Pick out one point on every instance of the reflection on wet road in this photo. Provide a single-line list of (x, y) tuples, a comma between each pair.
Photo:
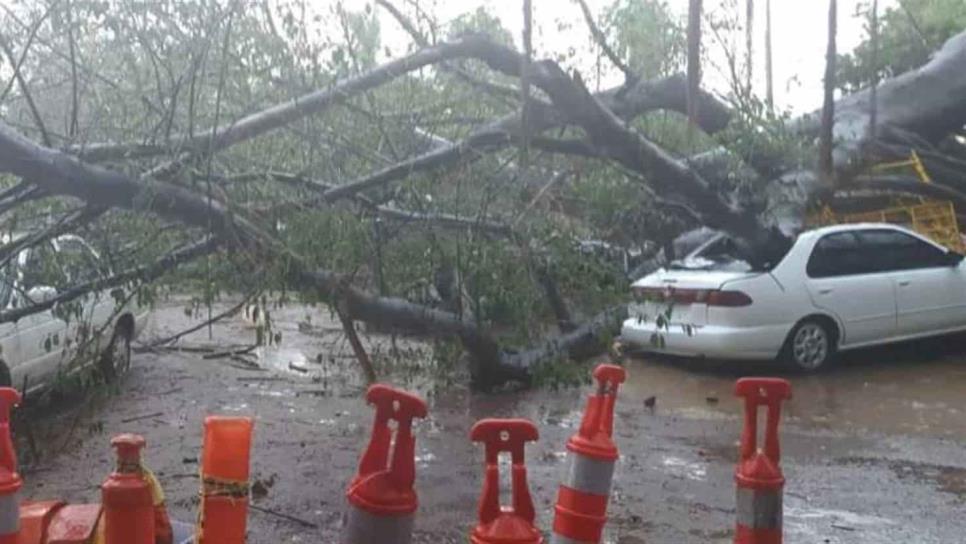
[(869, 391)]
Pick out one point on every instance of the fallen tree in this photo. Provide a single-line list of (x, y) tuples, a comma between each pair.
[(589, 125)]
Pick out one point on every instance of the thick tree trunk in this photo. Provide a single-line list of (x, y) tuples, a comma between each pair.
[(926, 102), (825, 164), (769, 75), (694, 58)]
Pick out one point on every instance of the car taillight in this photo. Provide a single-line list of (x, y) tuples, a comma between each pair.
[(731, 299), (692, 296), (648, 293)]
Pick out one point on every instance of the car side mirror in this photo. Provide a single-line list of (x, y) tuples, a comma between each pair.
[(40, 293), (953, 258)]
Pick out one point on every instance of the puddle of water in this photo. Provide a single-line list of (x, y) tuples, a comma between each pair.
[(844, 517), (425, 458), (684, 469), (896, 396)]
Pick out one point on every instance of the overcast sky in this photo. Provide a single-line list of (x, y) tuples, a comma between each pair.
[(798, 37)]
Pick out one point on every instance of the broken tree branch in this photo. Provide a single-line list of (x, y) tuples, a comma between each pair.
[(360, 351), (143, 273), (277, 116), (601, 40)]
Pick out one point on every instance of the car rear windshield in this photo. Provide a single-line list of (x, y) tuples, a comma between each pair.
[(718, 254)]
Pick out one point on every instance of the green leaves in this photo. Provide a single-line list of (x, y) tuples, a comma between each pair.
[(907, 37), (647, 35)]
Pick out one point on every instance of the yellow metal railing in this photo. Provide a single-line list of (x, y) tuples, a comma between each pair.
[(934, 219)]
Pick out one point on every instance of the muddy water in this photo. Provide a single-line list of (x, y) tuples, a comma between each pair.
[(885, 390), (873, 451)]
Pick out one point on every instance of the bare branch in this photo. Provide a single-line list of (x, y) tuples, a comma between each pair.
[(506, 93), (387, 212), (826, 165), (601, 40), (227, 313), (694, 59), (31, 34), (67, 223), (25, 90), (277, 116), (360, 351)]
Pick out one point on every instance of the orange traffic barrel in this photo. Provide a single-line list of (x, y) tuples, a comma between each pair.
[(382, 498), (581, 510), (128, 503), (512, 524), (227, 447), (758, 477), (10, 481)]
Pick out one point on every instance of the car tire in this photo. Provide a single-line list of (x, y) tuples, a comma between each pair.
[(115, 360), (810, 347)]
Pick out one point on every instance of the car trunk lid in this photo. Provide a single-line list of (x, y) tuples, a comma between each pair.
[(680, 298)]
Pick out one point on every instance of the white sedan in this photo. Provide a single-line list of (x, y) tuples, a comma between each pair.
[(38, 350), (837, 288)]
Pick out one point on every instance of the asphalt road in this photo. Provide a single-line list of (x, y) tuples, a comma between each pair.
[(874, 451)]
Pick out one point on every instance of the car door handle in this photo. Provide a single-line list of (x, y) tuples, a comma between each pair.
[(904, 283), (825, 291)]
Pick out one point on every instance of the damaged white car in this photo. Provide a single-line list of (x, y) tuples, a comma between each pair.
[(95, 329), (837, 288)]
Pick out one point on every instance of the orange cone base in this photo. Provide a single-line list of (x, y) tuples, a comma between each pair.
[(580, 516), (506, 529), (225, 520), (748, 535)]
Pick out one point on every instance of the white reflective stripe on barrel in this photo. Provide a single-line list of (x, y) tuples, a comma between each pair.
[(759, 509), (558, 539), (589, 475), (365, 528), (9, 514)]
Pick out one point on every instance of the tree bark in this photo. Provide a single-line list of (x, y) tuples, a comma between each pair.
[(769, 75), (694, 58), (749, 43), (826, 165)]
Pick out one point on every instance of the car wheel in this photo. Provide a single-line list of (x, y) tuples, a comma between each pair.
[(810, 346), (116, 358)]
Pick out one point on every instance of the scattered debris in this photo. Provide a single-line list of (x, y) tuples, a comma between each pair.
[(261, 486), (139, 418), (276, 513)]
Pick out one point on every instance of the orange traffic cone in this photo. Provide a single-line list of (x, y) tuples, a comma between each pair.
[(581, 510), (127, 500), (505, 524), (759, 477), (10, 481), (382, 500), (224, 487)]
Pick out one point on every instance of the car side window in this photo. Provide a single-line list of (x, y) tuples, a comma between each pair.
[(41, 268), (837, 254), (893, 250), (6, 284), (77, 260)]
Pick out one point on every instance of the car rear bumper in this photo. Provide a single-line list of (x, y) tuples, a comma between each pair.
[(718, 342)]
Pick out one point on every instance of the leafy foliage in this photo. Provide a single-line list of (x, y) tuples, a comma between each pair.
[(908, 34), (646, 34)]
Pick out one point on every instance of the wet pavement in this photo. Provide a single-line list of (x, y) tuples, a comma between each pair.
[(874, 450)]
